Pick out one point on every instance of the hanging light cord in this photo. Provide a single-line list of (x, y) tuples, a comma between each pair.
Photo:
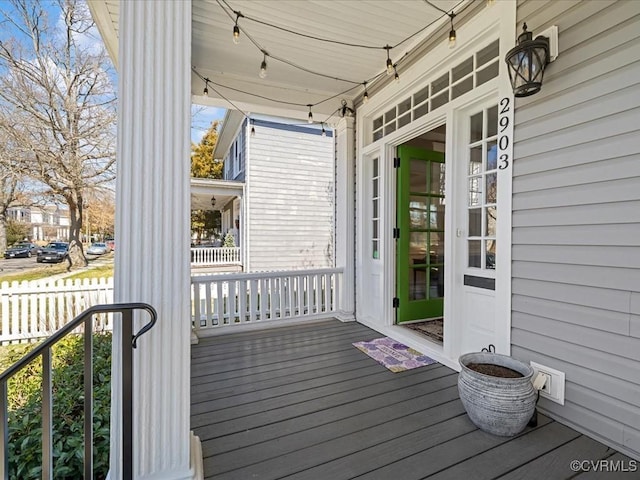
[(234, 15)]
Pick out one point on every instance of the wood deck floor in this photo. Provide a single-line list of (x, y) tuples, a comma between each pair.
[(301, 402)]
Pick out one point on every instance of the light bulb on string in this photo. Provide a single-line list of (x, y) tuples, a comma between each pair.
[(396, 77), (365, 95), (263, 66), (389, 62), (205, 92), (236, 29), (253, 130), (452, 32), (310, 118), (324, 132)]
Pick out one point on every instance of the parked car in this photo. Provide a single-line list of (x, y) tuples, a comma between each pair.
[(98, 249), (54, 252), (21, 249)]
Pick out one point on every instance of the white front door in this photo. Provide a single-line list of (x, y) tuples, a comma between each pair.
[(475, 229)]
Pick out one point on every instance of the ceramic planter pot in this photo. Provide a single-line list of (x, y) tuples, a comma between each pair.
[(497, 405)]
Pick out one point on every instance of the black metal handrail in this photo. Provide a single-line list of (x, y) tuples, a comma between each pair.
[(44, 350)]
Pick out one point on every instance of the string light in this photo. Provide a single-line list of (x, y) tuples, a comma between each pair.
[(263, 65), (236, 29), (253, 129), (324, 132), (391, 68), (389, 62), (452, 32)]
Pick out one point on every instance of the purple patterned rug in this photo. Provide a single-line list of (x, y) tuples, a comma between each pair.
[(393, 355)]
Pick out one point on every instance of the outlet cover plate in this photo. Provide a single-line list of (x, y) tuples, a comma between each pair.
[(555, 391)]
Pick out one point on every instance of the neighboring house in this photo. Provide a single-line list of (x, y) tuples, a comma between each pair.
[(524, 212), (45, 223), (285, 220)]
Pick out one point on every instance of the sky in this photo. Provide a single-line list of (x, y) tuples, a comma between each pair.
[(201, 118)]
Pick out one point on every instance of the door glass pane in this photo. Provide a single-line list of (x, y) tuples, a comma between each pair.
[(376, 254), (375, 229), (491, 222), (418, 212), (375, 208), (475, 160), (418, 283), (474, 253), (436, 214), (490, 256), (418, 179), (437, 178), (492, 121), (492, 187), (436, 282), (476, 127), (436, 248), (475, 191), (418, 248), (492, 155), (475, 222)]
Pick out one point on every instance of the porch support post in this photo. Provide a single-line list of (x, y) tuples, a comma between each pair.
[(152, 233), (345, 216)]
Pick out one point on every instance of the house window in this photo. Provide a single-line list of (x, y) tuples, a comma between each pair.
[(462, 78), (375, 212), (482, 189)]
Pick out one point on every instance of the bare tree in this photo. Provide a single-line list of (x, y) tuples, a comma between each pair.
[(10, 186), (55, 87)]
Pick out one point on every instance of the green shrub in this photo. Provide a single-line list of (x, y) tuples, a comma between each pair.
[(25, 403)]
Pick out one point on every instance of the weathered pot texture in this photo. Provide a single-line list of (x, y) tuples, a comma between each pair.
[(501, 406)]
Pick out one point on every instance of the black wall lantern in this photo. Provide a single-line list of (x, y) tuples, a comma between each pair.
[(527, 61)]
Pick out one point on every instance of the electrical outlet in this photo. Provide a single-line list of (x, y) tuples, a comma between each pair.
[(553, 387)]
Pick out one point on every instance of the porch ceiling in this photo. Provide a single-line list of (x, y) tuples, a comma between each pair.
[(203, 189), (366, 22)]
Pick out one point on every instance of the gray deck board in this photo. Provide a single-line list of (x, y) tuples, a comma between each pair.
[(300, 402)]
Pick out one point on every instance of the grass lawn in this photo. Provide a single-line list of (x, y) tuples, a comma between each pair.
[(105, 271)]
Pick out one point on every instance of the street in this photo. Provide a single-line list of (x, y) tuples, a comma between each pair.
[(8, 265)]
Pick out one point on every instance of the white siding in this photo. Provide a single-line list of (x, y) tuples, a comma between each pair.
[(290, 179), (576, 216)]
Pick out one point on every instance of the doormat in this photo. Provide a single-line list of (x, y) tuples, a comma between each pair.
[(430, 328), (393, 355)]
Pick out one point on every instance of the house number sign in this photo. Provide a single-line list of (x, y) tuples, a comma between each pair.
[(505, 133)]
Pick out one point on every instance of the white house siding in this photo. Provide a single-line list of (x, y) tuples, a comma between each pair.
[(290, 219), (576, 216)]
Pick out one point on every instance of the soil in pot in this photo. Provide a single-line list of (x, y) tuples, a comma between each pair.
[(494, 370)]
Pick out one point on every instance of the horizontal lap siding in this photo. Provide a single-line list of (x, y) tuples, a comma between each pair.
[(291, 216), (576, 216)]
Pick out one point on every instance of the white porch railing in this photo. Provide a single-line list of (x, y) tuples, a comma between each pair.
[(229, 300), (31, 310), (215, 256)]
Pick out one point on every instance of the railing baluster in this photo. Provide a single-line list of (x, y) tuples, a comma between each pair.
[(47, 417), (127, 395), (4, 437), (88, 398)]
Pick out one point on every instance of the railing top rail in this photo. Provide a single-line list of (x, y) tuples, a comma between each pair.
[(53, 339), (255, 275)]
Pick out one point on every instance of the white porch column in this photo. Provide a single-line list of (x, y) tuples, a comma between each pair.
[(345, 215), (152, 232)]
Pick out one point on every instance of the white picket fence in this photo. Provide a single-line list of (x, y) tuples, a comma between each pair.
[(215, 256), (32, 310), (230, 300)]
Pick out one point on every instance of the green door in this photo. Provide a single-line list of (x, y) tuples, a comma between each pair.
[(420, 246)]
